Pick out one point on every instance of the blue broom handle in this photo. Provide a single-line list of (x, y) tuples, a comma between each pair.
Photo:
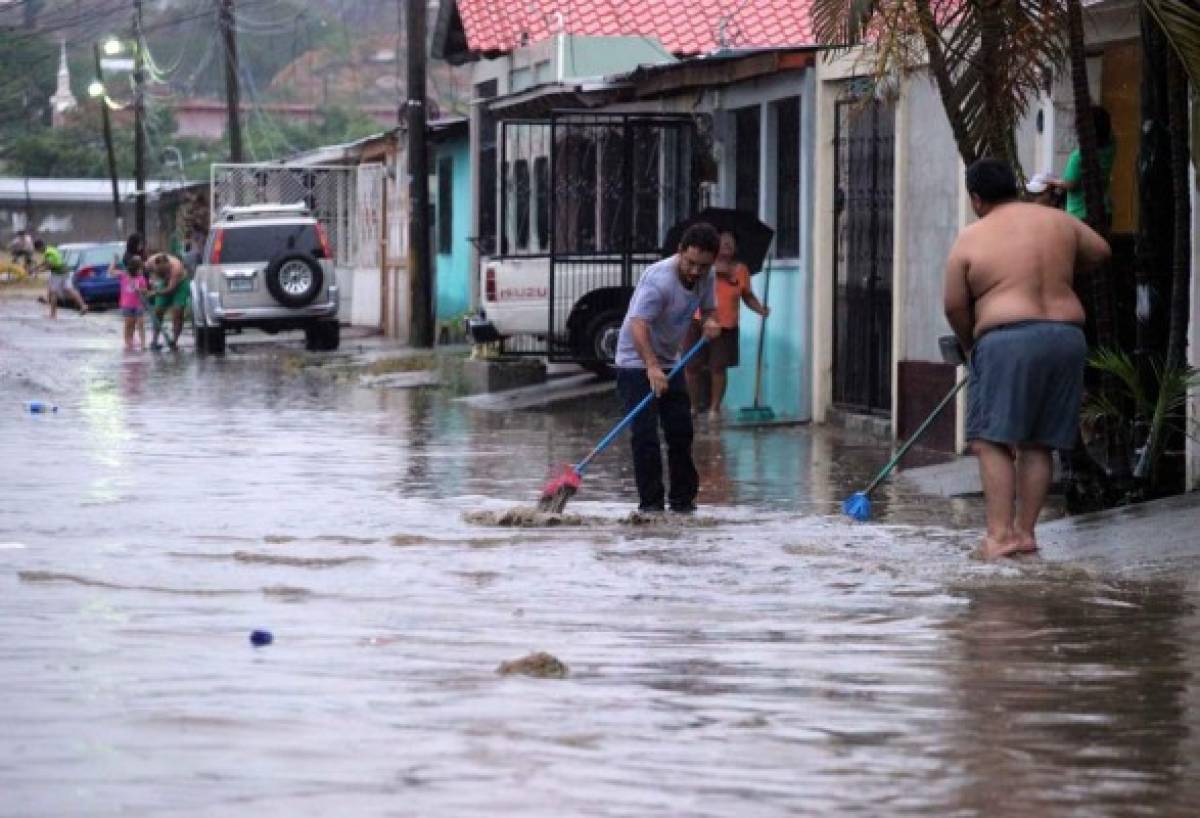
[(916, 435), (628, 419)]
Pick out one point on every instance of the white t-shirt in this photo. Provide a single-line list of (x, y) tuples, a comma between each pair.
[(667, 307)]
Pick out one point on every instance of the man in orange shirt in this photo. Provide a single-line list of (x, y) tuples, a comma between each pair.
[(732, 290)]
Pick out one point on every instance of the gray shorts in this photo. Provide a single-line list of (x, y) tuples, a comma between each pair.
[(1027, 384)]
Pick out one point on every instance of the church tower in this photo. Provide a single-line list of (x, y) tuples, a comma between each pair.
[(63, 100)]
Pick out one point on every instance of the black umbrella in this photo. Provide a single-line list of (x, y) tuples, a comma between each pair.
[(753, 237)]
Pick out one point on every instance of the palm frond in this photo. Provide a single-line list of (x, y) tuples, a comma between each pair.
[(988, 57), (1097, 409), (841, 23), (1180, 20), (1117, 364)]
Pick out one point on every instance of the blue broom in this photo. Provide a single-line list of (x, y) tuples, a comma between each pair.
[(858, 505)]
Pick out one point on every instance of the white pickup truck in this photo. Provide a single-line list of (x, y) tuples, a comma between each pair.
[(590, 300)]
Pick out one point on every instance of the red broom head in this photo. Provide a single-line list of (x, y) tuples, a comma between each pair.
[(567, 479)]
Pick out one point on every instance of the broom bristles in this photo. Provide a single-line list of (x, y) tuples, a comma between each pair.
[(559, 490)]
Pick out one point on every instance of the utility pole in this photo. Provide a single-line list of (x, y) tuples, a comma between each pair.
[(139, 124), (232, 87), (419, 268), (108, 144)]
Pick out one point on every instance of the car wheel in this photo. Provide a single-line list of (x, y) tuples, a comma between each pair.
[(294, 279), (599, 350)]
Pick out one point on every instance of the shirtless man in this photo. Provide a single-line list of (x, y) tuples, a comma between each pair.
[(173, 297), (1009, 299)]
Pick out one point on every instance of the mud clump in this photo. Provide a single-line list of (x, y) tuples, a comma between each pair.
[(530, 517), (540, 665), (287, 593), (527, 517)]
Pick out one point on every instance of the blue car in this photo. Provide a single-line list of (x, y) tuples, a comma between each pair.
[(88, 264)]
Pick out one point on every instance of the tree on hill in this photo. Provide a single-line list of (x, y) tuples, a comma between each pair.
[(28, 76), (270, 136)]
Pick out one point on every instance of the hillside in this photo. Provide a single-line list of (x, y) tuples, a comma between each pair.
[(290, 50)]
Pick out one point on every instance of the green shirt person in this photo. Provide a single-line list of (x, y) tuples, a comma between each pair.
[(60, 286), (1073, 181), (1072, 177), (53, 261)]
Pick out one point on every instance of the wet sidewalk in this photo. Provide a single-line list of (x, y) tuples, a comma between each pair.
[(1158, 536)]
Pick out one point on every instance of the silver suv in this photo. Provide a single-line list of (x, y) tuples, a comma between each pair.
[(268, 267)]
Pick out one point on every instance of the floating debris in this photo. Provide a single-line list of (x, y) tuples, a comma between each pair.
[(540, 665)]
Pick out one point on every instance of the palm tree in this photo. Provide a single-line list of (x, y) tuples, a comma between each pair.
[(988, 58)]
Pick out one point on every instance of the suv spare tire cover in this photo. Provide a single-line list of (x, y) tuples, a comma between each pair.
[(294, 279)]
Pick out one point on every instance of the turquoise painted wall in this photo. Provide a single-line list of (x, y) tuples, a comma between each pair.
[(787, 354), (452, 269), (786, 351)]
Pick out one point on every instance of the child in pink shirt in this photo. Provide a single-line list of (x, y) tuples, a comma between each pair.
[(133, 289)]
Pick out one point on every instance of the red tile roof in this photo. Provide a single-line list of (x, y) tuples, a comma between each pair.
[(684, 27)]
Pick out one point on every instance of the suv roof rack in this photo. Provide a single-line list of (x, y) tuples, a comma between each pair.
[(258, 211)]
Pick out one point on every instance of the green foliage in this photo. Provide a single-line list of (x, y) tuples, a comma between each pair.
[(28, 76), (77, 149), (1181, 22), (270, 136), (1141, 411), (47, 152)]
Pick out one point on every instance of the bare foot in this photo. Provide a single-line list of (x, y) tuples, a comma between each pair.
[(993, 548), (1026, 542), (714, 417)]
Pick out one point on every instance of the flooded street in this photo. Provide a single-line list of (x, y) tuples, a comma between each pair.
[(766, 658)]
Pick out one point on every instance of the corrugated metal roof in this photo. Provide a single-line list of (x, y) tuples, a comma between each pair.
[(18, 188)]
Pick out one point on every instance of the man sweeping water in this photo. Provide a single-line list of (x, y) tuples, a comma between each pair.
[(1009, 299), (667, 296), (649, 380)]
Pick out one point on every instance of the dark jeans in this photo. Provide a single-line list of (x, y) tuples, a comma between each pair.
[(673, 410)]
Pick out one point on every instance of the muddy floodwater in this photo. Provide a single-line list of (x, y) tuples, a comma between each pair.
[(766, 658)]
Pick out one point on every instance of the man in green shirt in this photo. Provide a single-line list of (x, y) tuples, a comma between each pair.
[(60, 285)]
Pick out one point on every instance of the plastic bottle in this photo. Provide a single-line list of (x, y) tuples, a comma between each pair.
[(38, 407)]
